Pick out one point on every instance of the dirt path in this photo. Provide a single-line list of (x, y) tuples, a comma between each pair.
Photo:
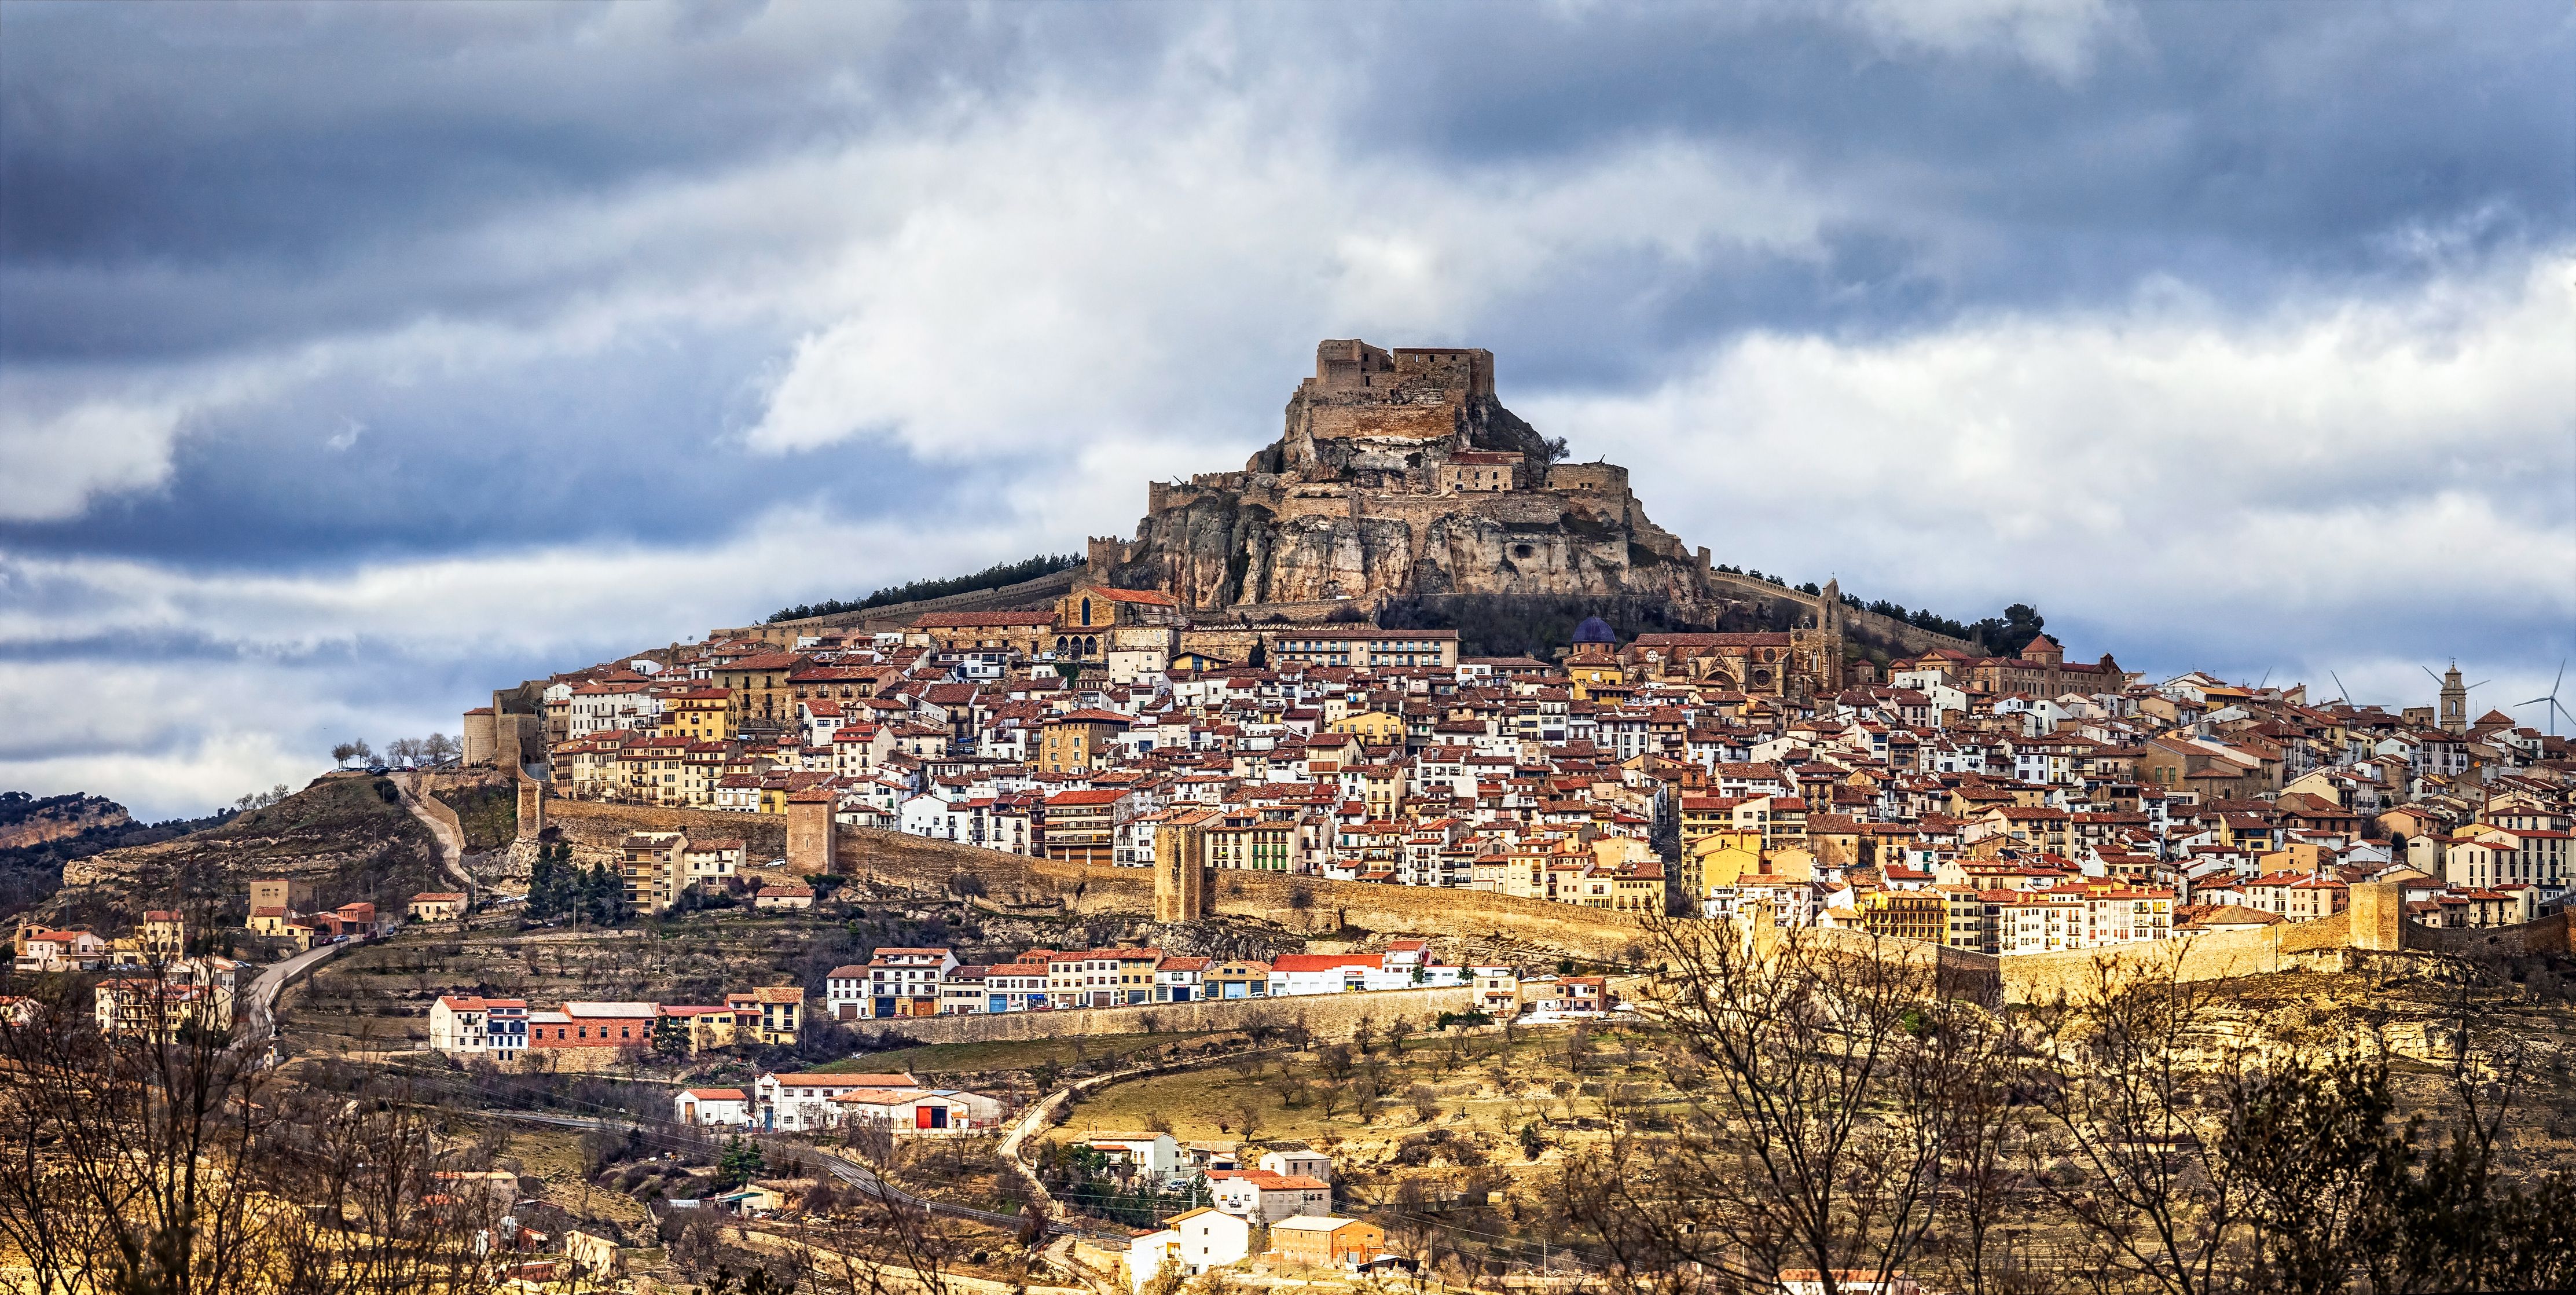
[(451, 839)]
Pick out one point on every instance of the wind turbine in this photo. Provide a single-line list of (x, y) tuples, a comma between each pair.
[(2428, 671), (2551, 697)]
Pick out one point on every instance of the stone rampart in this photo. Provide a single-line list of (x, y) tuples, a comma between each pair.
[(1912, 638), (1327, 1016), (601, 825), (1604, 478), (2216, 955), (425, 788), (2547, 935), (1298, 903)]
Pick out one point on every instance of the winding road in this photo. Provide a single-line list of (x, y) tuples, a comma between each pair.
[(451, 842), (258, 1002)]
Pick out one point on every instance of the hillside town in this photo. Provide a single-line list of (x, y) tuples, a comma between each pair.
[(2008, 804)]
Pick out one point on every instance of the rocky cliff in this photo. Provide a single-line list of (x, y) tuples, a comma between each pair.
[(27, 820), (1397, 474)]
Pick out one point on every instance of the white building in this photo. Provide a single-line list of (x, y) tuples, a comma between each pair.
[(1156, 1155), (1196, 1241), (802, 1101), (1180, 980), (1266, 1196), (1312, 1164), (914, 1110), (464, 1028), (709, 1108), (1322, 973)]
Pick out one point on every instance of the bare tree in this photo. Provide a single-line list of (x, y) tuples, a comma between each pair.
[(2125, 1070), (1790, 1151), (386, 1202), (122, 1150)]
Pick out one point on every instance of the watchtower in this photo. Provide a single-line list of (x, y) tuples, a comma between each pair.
[(2377, 913), (812, 832), (532, 807), (1180, 870)]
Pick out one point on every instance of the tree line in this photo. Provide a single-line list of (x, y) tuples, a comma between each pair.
[(993, 577), (558, 887)]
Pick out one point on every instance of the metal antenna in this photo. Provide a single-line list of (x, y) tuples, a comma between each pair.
[(2555, 710)]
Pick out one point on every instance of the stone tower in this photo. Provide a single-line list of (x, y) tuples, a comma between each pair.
[(532, 808), (1180, 869), (812, 832), (2377, 912), (2455, 701)]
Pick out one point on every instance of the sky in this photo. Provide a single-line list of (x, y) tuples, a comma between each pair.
[(358, 359)]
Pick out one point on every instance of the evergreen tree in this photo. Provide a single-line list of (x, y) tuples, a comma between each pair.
[(550, 883), (740, 1162), (670, 1038)]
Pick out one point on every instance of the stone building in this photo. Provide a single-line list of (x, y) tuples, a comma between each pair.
[(1400, 473)]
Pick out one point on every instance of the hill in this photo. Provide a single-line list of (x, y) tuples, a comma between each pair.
[(347, 833), (40, 835)]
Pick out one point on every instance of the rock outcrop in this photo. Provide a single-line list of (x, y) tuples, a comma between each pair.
[(28, 821), (1399, 474)]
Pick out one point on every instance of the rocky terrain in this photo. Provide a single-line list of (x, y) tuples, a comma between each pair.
[(41, 835), (347, 833), (26, 820), (1401, 474)]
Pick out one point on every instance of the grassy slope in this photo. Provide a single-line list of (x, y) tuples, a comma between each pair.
[(490, 815)]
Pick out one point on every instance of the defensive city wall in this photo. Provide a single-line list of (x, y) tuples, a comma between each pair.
[(1326, 1016), (2374, 924)]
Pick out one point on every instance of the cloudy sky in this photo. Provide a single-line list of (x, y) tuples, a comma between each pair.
[(355, 359)]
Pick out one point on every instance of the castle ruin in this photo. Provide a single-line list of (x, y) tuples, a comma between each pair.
[(1399, 473)]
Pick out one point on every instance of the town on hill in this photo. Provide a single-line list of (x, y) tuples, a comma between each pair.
[(1241, 704), (1200, 915)]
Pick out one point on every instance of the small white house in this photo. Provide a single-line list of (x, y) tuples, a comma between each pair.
[(1267, 1197), (1197, 1240), (1312, 1164), (1154, 1154), (708, 1108), (939, 1110)]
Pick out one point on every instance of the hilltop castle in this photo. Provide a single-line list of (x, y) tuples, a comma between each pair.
[(1398, 473)]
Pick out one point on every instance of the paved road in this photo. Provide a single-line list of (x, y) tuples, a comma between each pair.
[(258, 1003), (451, 843)]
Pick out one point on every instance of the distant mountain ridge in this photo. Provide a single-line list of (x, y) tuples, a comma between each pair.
[(27, 820), (41, 834)]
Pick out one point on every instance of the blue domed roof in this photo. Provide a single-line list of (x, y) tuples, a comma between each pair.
[(1595, 630)]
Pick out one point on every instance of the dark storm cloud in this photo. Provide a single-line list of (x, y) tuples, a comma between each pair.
[(653, 317)]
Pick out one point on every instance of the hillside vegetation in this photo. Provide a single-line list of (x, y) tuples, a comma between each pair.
[(41, 834), (347, 834)]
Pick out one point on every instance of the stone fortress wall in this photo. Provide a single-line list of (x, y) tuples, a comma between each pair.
[(1326, 1016), (2374, 926)]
